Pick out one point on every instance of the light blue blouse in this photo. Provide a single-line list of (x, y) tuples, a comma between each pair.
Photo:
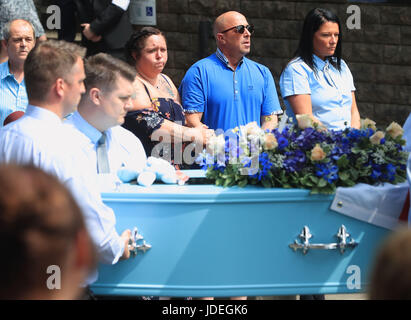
[(330, 90)]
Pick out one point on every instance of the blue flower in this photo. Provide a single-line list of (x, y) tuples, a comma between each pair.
[(265, 166), (327, 171)]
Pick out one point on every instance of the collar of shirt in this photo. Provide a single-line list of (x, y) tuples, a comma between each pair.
[(322, 64), (223, 58), (92, 133), (43, 114)]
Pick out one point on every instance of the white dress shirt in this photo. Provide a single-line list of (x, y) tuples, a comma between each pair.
[(40, 138), (124, 149)]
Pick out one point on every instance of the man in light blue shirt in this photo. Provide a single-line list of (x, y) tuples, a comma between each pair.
[(19, 39), (54, 77), (226, 90), (108, 97)]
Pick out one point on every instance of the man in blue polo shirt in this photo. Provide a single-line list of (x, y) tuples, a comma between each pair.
[(226, 90)]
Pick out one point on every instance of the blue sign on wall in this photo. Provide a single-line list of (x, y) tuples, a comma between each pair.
[(149, 11)]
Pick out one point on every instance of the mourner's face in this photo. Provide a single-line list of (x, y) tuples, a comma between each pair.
[(153, 56), (117, 102), (74, 86), (234, 42), (325, 39), (21, 40)]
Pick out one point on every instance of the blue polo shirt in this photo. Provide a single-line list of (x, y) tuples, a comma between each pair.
[(330, 90), (229, 98), (13, 95)]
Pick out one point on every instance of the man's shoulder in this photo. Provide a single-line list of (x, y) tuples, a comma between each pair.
[(123, 135), (35, 134), (255, 64), (70, 129), (205, 62), (4, 70)]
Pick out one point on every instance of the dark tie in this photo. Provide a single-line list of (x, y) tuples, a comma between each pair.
[(102, 158)]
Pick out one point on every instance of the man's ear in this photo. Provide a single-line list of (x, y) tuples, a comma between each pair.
[(60, 86), (220, 38), (85, 257), (95, 95), (4, 43)]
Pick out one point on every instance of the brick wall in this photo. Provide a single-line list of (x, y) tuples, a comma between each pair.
[(379, 54)]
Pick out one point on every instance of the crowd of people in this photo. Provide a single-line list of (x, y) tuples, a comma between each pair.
[(67, 119)]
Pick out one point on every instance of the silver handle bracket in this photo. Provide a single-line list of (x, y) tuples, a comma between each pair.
[(305, 244), (133, 244)]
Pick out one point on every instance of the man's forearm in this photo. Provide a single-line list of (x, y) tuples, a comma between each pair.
[(194, 119), (269, 122)]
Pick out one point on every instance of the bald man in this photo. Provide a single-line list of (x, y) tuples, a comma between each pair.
[(226, 90), (19, 39)]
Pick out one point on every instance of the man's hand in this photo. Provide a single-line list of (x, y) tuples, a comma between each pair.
[(126, 235), (89, 34)]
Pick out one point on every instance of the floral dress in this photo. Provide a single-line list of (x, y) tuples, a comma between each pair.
[(145, 121)]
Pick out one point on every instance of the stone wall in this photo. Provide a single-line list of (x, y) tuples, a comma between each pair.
[(379, 54)]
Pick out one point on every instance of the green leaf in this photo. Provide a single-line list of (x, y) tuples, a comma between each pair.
[(321, 183), (343, 162), (242, 183), (266, 183), (344, 175)]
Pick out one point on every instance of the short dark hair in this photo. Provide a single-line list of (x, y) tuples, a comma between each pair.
[(137, 42), (39, 222), (102, 71), (46, 62), (312, 22)]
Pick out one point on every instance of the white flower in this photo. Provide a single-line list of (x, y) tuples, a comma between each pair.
[(253, 129), (376, 137), (368, 124), (395, 130), (216, 144), (317, 153), (304, 121), (270, 142)]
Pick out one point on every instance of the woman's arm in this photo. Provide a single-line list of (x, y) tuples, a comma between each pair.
[(169, 130), (301, 104), (173, 132), (355, 114)]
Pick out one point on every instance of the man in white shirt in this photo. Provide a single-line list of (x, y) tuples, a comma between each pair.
[(108, 97), (54, 75)]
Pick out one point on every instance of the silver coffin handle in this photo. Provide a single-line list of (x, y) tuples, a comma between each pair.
[(133, 245), (305, 245)]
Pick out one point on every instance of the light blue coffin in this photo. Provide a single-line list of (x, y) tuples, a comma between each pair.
[(214, 241)]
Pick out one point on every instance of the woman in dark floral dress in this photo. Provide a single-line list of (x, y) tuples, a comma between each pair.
[(157, 118)]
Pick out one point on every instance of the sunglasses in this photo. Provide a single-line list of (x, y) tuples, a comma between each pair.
[(240, 29)]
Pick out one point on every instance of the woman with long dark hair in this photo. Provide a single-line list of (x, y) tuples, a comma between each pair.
[(317, 81)]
